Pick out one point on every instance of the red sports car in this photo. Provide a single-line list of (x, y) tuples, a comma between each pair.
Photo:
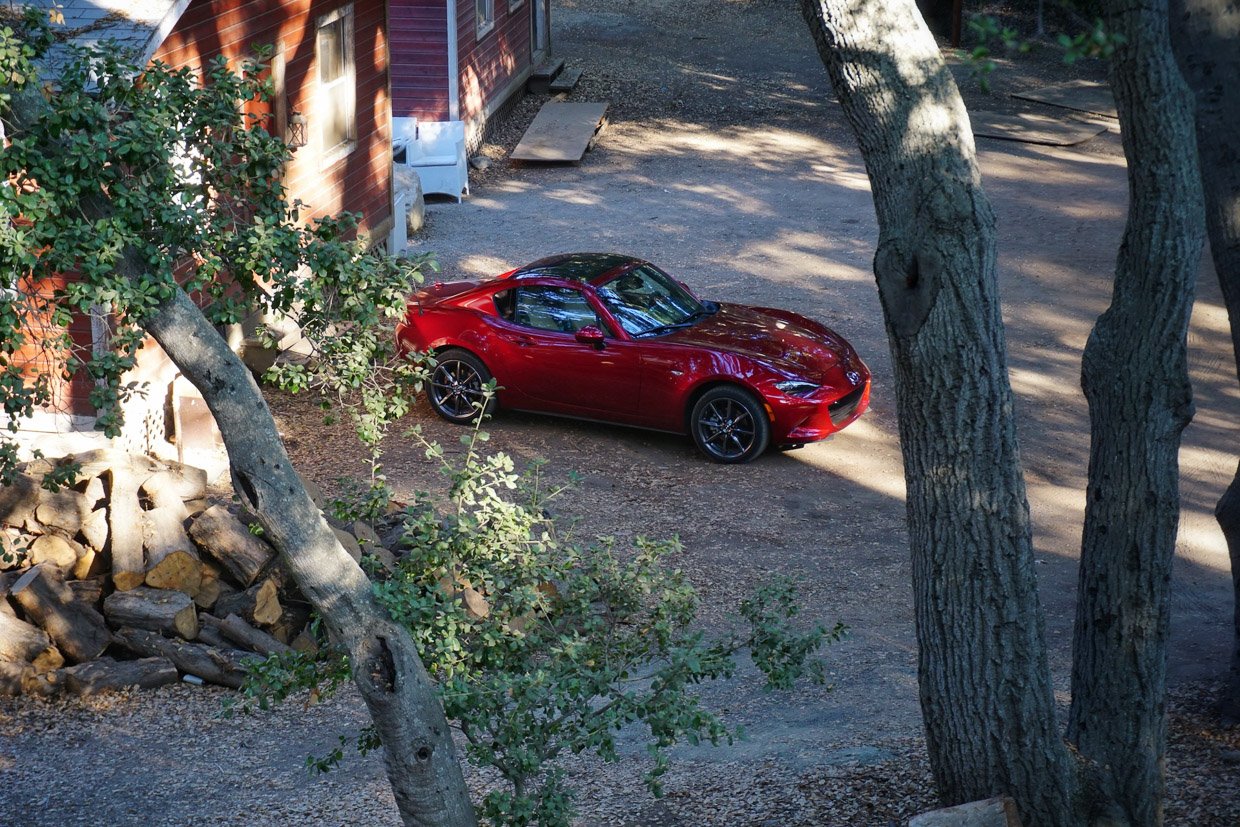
[(613, 338)]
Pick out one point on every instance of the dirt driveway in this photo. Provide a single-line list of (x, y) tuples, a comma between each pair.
[(726, 162)]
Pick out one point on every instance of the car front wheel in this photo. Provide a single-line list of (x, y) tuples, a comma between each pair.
[(729, 425), (457, 386)]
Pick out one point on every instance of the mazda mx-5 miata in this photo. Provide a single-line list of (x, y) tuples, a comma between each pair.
[(615, 339)]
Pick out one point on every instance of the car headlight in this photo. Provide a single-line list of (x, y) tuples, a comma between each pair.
[(796, 387)]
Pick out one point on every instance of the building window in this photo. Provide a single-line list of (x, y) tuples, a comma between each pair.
[(337, 110), (514, 4), (486, 16)]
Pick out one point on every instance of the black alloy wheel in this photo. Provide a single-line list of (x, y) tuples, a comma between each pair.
[(456, 391), (729, 425)]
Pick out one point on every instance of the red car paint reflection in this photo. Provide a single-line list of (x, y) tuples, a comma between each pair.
[(613, 338)]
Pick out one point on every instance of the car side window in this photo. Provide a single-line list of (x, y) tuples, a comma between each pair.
[(505, 302), (559, 309)]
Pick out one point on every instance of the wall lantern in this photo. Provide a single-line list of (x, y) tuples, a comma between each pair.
[(297, 130)]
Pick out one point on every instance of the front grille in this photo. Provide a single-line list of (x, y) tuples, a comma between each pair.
[(843, 407)]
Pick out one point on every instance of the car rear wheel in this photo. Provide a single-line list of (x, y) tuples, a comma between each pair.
[(729, 425), (457, 386)]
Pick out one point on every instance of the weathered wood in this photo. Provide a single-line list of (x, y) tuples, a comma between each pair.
[(223, 666), (210, 587), (158, 610), (77, 628), (235, 628), (63, 509), (109, 675), (21, 641), (125, 527), (227, 540), (171, 559), (349, 543), (291, 623), (89, 590), (18, 500), (95, 529), (13, 547), (56, 550), (993, 812), (13, 677), (259, 604), (185, 482)]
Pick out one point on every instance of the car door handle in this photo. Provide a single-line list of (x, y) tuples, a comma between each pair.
[(523, 341)]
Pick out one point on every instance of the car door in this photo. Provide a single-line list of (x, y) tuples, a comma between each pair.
[(556, 372)]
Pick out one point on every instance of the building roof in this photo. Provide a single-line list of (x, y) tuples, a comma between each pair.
[(138, 27)]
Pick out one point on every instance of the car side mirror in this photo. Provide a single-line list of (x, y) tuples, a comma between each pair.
[(592, 336)]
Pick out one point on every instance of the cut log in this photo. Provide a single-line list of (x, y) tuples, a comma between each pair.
[(157, 610), (13, 676), (223, 666), (90, 590), (185, 482), (209, 586), (18, 500), (993, 812), (107, 675), (259, 604), (92, 563), (125, 526), (57, 551), (224, 538), (77, 629), (95, 529), (210, 634), (63, 509), (23, 642), (238, 631), (305, 643), (291, 623), (171, 559)]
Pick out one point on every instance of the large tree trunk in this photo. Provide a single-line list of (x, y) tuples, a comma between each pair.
[(1135, 377), (1206, 35), (985, 683), (420, 756)]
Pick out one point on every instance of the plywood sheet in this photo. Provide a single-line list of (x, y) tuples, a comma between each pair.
[(560, 132), (1080, 95), (1032, 129)]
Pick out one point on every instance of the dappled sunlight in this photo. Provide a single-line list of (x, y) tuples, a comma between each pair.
[(574, 195), (863, 454), (806, 259)]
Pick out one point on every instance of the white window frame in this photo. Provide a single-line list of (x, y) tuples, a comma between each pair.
[(345, 86), (484, 16), (513, 5)]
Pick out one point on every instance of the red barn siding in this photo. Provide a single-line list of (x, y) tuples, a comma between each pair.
[(419, 33), (490, 63), (360, 180)]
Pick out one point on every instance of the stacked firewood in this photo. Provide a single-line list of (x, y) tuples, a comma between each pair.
[(134, 576)]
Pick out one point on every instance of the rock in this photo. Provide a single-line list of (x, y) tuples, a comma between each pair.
[(405, 180), (480, 162), (993, 812)]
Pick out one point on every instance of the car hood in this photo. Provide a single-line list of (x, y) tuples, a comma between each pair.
[(786, 341)]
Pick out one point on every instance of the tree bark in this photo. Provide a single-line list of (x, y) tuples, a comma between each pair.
[(1206, 36), (1135, 377), (420, 756), (982, 654)]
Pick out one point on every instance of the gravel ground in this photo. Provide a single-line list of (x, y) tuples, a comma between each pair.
[(727, 161)]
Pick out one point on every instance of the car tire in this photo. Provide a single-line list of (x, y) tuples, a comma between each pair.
[(729, 425), (457, 384)]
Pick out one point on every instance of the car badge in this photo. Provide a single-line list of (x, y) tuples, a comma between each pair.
[(853, 377)]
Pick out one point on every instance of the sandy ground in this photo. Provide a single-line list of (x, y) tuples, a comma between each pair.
[(727, 162)]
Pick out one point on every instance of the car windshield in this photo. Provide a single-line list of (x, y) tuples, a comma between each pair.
[(646, 302)]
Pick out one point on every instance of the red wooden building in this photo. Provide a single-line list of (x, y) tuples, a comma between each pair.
[(463, 60), (330, 70)]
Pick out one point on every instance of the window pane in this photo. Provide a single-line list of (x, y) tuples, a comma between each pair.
[(331, 51), (554, 308)]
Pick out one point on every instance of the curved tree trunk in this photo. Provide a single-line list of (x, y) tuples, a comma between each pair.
[(419, 753), (1206, 34), (985, 683), (1135, 378)]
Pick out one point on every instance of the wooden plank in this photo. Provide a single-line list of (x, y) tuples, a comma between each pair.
[(1032, 129), (560, 132), (567, 81), (1079, 95)]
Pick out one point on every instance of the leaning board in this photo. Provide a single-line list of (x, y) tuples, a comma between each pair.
[(1081, 95), (1032, 129), (560, 132)]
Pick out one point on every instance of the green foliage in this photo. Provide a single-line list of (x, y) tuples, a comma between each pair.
[(146, 181), (990, 34), (542, 647), (1097, 41)]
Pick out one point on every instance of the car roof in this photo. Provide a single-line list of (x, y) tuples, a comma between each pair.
[(584, 267)]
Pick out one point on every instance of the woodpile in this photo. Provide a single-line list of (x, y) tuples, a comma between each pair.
[(134, 576)]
